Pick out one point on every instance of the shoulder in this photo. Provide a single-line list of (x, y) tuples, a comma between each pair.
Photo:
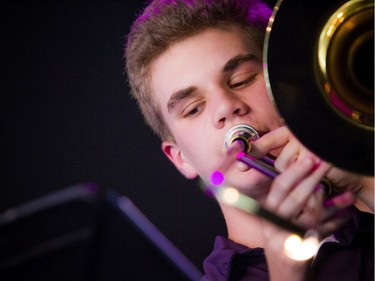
[(229, 257)]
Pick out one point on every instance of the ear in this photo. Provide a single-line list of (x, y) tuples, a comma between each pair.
[(174, 153)]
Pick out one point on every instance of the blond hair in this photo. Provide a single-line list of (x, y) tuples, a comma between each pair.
[(164, 22)]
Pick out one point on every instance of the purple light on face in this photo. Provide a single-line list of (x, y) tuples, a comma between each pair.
[(217, 178), (240, 155)]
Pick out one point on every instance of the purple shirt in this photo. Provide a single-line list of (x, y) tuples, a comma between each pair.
[(349, 258)]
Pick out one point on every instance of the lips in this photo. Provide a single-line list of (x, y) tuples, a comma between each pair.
[(242, 166), (231, 152)]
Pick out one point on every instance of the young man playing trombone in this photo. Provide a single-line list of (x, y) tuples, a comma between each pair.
[(195, 69)]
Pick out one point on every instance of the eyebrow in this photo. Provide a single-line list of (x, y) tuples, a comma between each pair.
[(233, 63), (177, 97)]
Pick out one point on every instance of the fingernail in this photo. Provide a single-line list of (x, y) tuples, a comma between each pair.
[(308, 161)]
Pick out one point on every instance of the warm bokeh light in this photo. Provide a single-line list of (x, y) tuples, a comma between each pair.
[(230, 195), (301, 249)]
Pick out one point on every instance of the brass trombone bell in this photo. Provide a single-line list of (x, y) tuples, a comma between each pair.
[(319, 71)]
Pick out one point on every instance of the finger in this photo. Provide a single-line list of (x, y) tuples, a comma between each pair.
[(337, 205), (288, 155), (286, 181), (311, 212), (321, 216), (291, 153), (295, 202), (270, 141), (333, 224)]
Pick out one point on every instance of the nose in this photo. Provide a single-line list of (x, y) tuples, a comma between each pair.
[(227, 106)]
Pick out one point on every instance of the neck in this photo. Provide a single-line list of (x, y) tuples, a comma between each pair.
[(243, 228)]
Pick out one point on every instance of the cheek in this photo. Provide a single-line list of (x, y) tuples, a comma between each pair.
[(268, 110), (198, 151)]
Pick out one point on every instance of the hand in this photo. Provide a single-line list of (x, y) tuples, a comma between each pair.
[(289, 150), (362, 186), (294, 196), (284, 145)]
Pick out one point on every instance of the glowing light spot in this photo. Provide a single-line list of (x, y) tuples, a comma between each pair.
[(356, 115), (330, 30), (301, 249), (240, 155), (230, 195), (327, 88), (217, 178)]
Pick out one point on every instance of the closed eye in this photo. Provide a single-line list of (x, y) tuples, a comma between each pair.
[(241, 80), (193, 109)]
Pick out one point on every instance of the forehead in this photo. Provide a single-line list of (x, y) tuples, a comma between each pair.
[(194, 59)]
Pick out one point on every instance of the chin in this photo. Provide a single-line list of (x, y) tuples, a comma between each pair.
[(251, 183)]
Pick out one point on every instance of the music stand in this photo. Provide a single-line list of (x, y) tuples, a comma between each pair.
[(84, 233)]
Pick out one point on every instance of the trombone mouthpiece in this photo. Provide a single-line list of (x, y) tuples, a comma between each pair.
[(243, 133)]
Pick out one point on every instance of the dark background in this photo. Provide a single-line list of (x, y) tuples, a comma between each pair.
[(67, 118)]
